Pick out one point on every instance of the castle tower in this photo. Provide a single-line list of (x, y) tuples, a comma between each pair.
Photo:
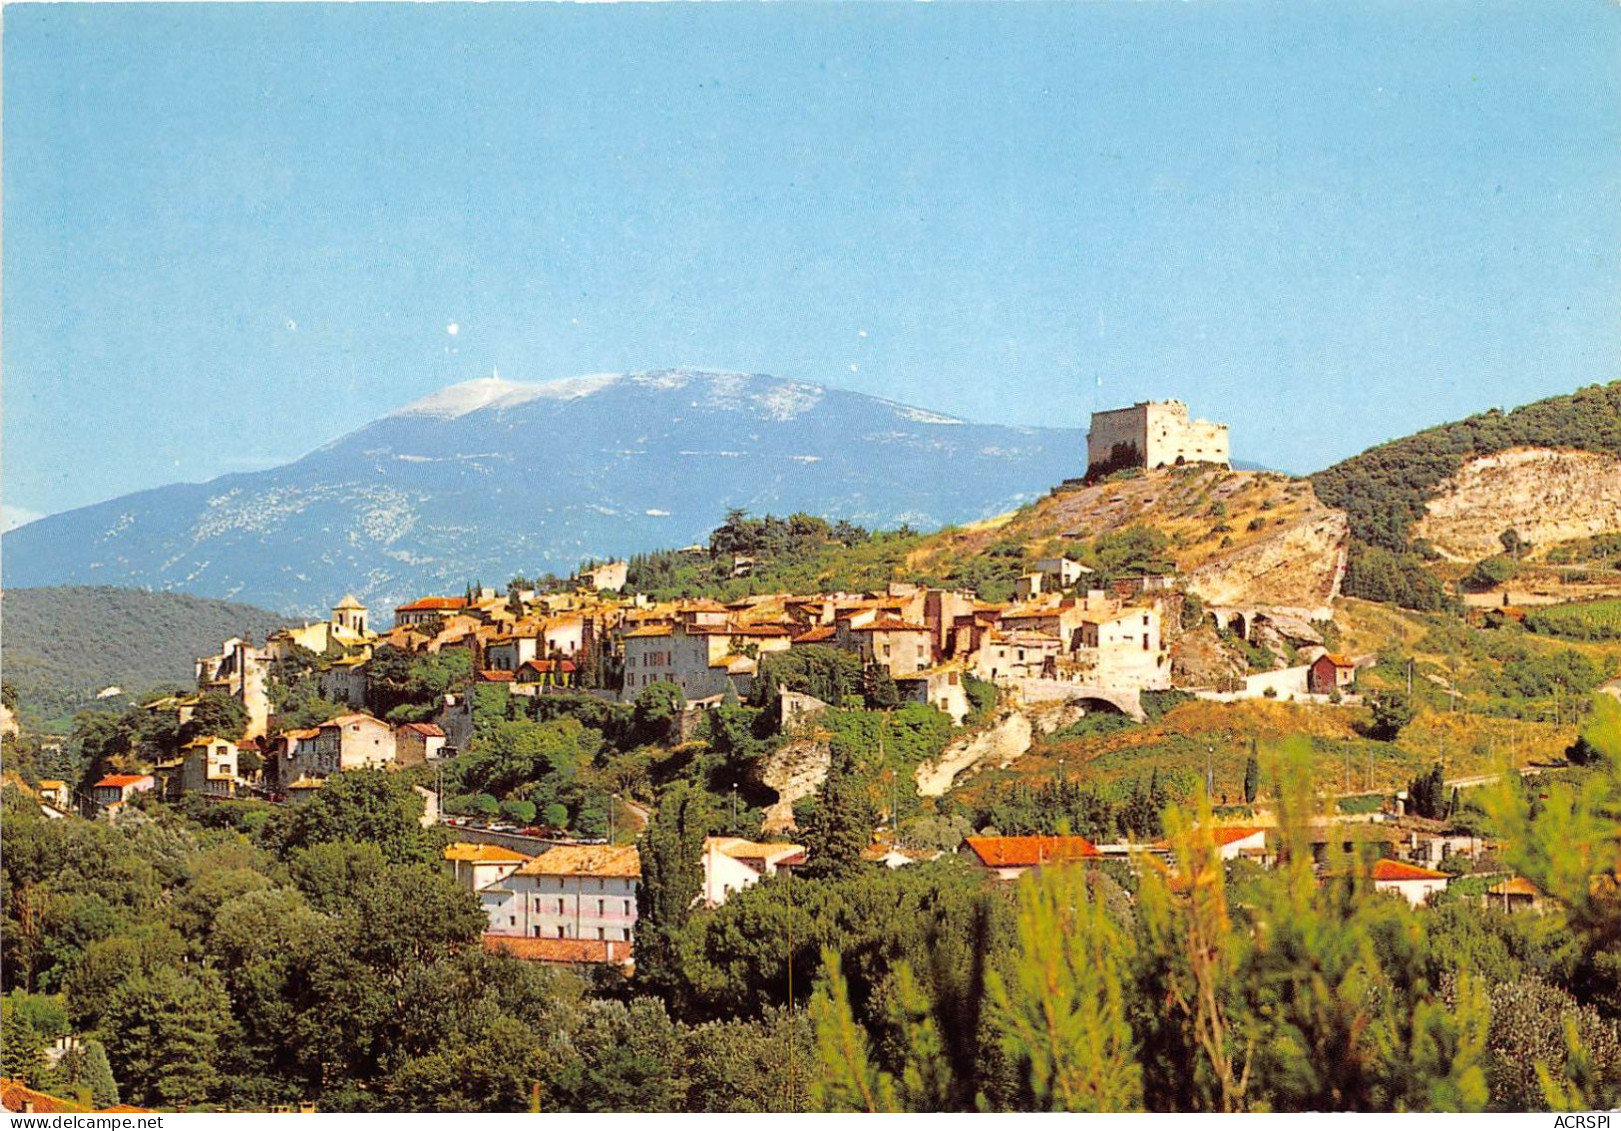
[(1153, 434)]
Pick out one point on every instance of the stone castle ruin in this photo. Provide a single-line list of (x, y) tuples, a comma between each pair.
[(1152, 434)]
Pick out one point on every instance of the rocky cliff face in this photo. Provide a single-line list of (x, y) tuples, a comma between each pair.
[(1299, 565), (1547, 496)]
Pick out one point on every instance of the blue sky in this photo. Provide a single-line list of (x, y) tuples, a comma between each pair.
[(234, 233)]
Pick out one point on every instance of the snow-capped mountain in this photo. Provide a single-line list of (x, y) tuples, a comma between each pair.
[(491, 478)]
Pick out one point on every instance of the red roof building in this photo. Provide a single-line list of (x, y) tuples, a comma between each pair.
[(1012, 856)]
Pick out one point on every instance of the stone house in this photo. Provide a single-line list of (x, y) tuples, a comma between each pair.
[(416, 743), (426, 610), (348, 742), (1010, 857), (1018, 655), (345, 681), (209, 766), (1153, 434), (698, 654), (902, 647), (938, 687), (241, 671), (1330, 672), (610, 577)]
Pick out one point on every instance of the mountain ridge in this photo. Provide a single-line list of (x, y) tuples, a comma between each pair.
[(488, 478)]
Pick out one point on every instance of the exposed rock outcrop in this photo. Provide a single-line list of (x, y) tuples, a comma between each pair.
[(999, 746), (1547, 496), (1299, 566), (795, 770)]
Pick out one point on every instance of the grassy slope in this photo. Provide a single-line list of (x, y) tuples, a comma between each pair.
[(62, 645)]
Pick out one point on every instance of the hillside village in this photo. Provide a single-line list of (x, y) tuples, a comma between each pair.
[(1074, 642), (603, 767)]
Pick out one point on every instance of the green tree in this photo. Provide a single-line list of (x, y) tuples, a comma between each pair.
[(1392, 710), (1252, 776), (365, 806), (672, 877), (657, 707), (217, 714), (1426, 794), (840, 827), (1062, 1011), (22, 1049), (521, 811), (88, 1068), (167, 1034)]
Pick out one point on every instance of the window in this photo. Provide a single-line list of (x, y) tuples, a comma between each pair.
[(627, 907), (512, 920), (559, 905), (536, 931), (602, 906), (560, 933), (601, 934)]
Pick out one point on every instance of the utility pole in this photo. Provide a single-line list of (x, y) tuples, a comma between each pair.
[(612, 797)]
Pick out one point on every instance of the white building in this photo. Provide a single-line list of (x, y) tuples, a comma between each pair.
[(573, 891), (732, 864), (478, 866), (1412, 883)]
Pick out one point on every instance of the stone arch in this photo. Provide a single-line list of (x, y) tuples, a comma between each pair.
[(1239, 625)]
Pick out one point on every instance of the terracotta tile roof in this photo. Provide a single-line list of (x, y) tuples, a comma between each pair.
[(349, 602), (1029, 851), (570, 952), (760, 630), (489, 676), (889, 624), (1338, 660), (119, 781), (16, 1096), (616, 860), (1394, 870), (426, 730), (433, 605), (483, 854), (738, 848), (540, 667), (816, 635), (650, 630)]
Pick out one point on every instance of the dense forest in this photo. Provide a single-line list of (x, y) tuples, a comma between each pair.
[(63, 645)]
